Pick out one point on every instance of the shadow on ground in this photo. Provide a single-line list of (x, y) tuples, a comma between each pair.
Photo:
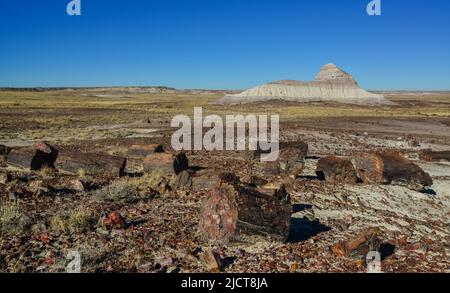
[(303, 229)]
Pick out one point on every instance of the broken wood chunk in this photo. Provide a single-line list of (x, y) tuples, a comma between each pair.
[(166, 163), (34, 158), (90, 163), (337, 170), (359, 246), (232, 212), (291, 160), (430, 156), (369, 167), (141, 151), (400, 170)]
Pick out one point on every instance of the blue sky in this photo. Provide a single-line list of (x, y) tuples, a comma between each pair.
[(223, 44)]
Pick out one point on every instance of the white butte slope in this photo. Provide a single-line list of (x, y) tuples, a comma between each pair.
[(331, 84)]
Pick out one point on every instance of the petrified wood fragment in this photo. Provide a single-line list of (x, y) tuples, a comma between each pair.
[(35, 158), (359, 246), (232, 211), (400, 170), (90, 163), (369, 167), (335, 169), (166, 162)]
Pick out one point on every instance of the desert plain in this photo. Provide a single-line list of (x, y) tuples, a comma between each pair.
[(147, 221)]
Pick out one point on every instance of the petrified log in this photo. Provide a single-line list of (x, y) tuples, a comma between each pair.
[(369, 167), (166, 162), (430, 156), (296, 150), (141, 151), (55, 185), (90, 163), (36, 157), (400, 170), (335, 169), (358, 247), (290, 162), (232, 212)]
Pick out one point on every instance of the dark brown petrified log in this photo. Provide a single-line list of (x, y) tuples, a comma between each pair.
[(35, 157), (90, 163), (166, 162), (335, 169), (233, 211)]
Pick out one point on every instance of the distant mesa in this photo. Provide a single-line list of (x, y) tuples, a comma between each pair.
[(331, 84)]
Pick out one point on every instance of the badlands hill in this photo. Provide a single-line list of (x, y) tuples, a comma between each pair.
[(331, 84)]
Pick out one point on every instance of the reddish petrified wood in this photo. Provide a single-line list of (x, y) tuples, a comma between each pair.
[(36, 157), (233, 211), (335, 169), (400, 170), (359, 246), (166, 162), (369, 167)]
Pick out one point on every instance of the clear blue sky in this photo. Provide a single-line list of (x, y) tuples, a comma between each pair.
[(226, 44)]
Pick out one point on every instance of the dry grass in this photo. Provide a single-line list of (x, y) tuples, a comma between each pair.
[(76, 219), (10, 215), (69, 114)]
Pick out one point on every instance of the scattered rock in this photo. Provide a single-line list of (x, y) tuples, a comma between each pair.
[(37, 188), (360, 246), (430, 156), (336, 170), (114, 221)]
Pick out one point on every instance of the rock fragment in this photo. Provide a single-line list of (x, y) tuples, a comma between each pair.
[(90, 163), (336, 170), (431, 156), (114, 221), (399, 170), (166, 163), (359, 246)]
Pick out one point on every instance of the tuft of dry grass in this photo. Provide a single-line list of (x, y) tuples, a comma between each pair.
[(76, 219), (10, 216)]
